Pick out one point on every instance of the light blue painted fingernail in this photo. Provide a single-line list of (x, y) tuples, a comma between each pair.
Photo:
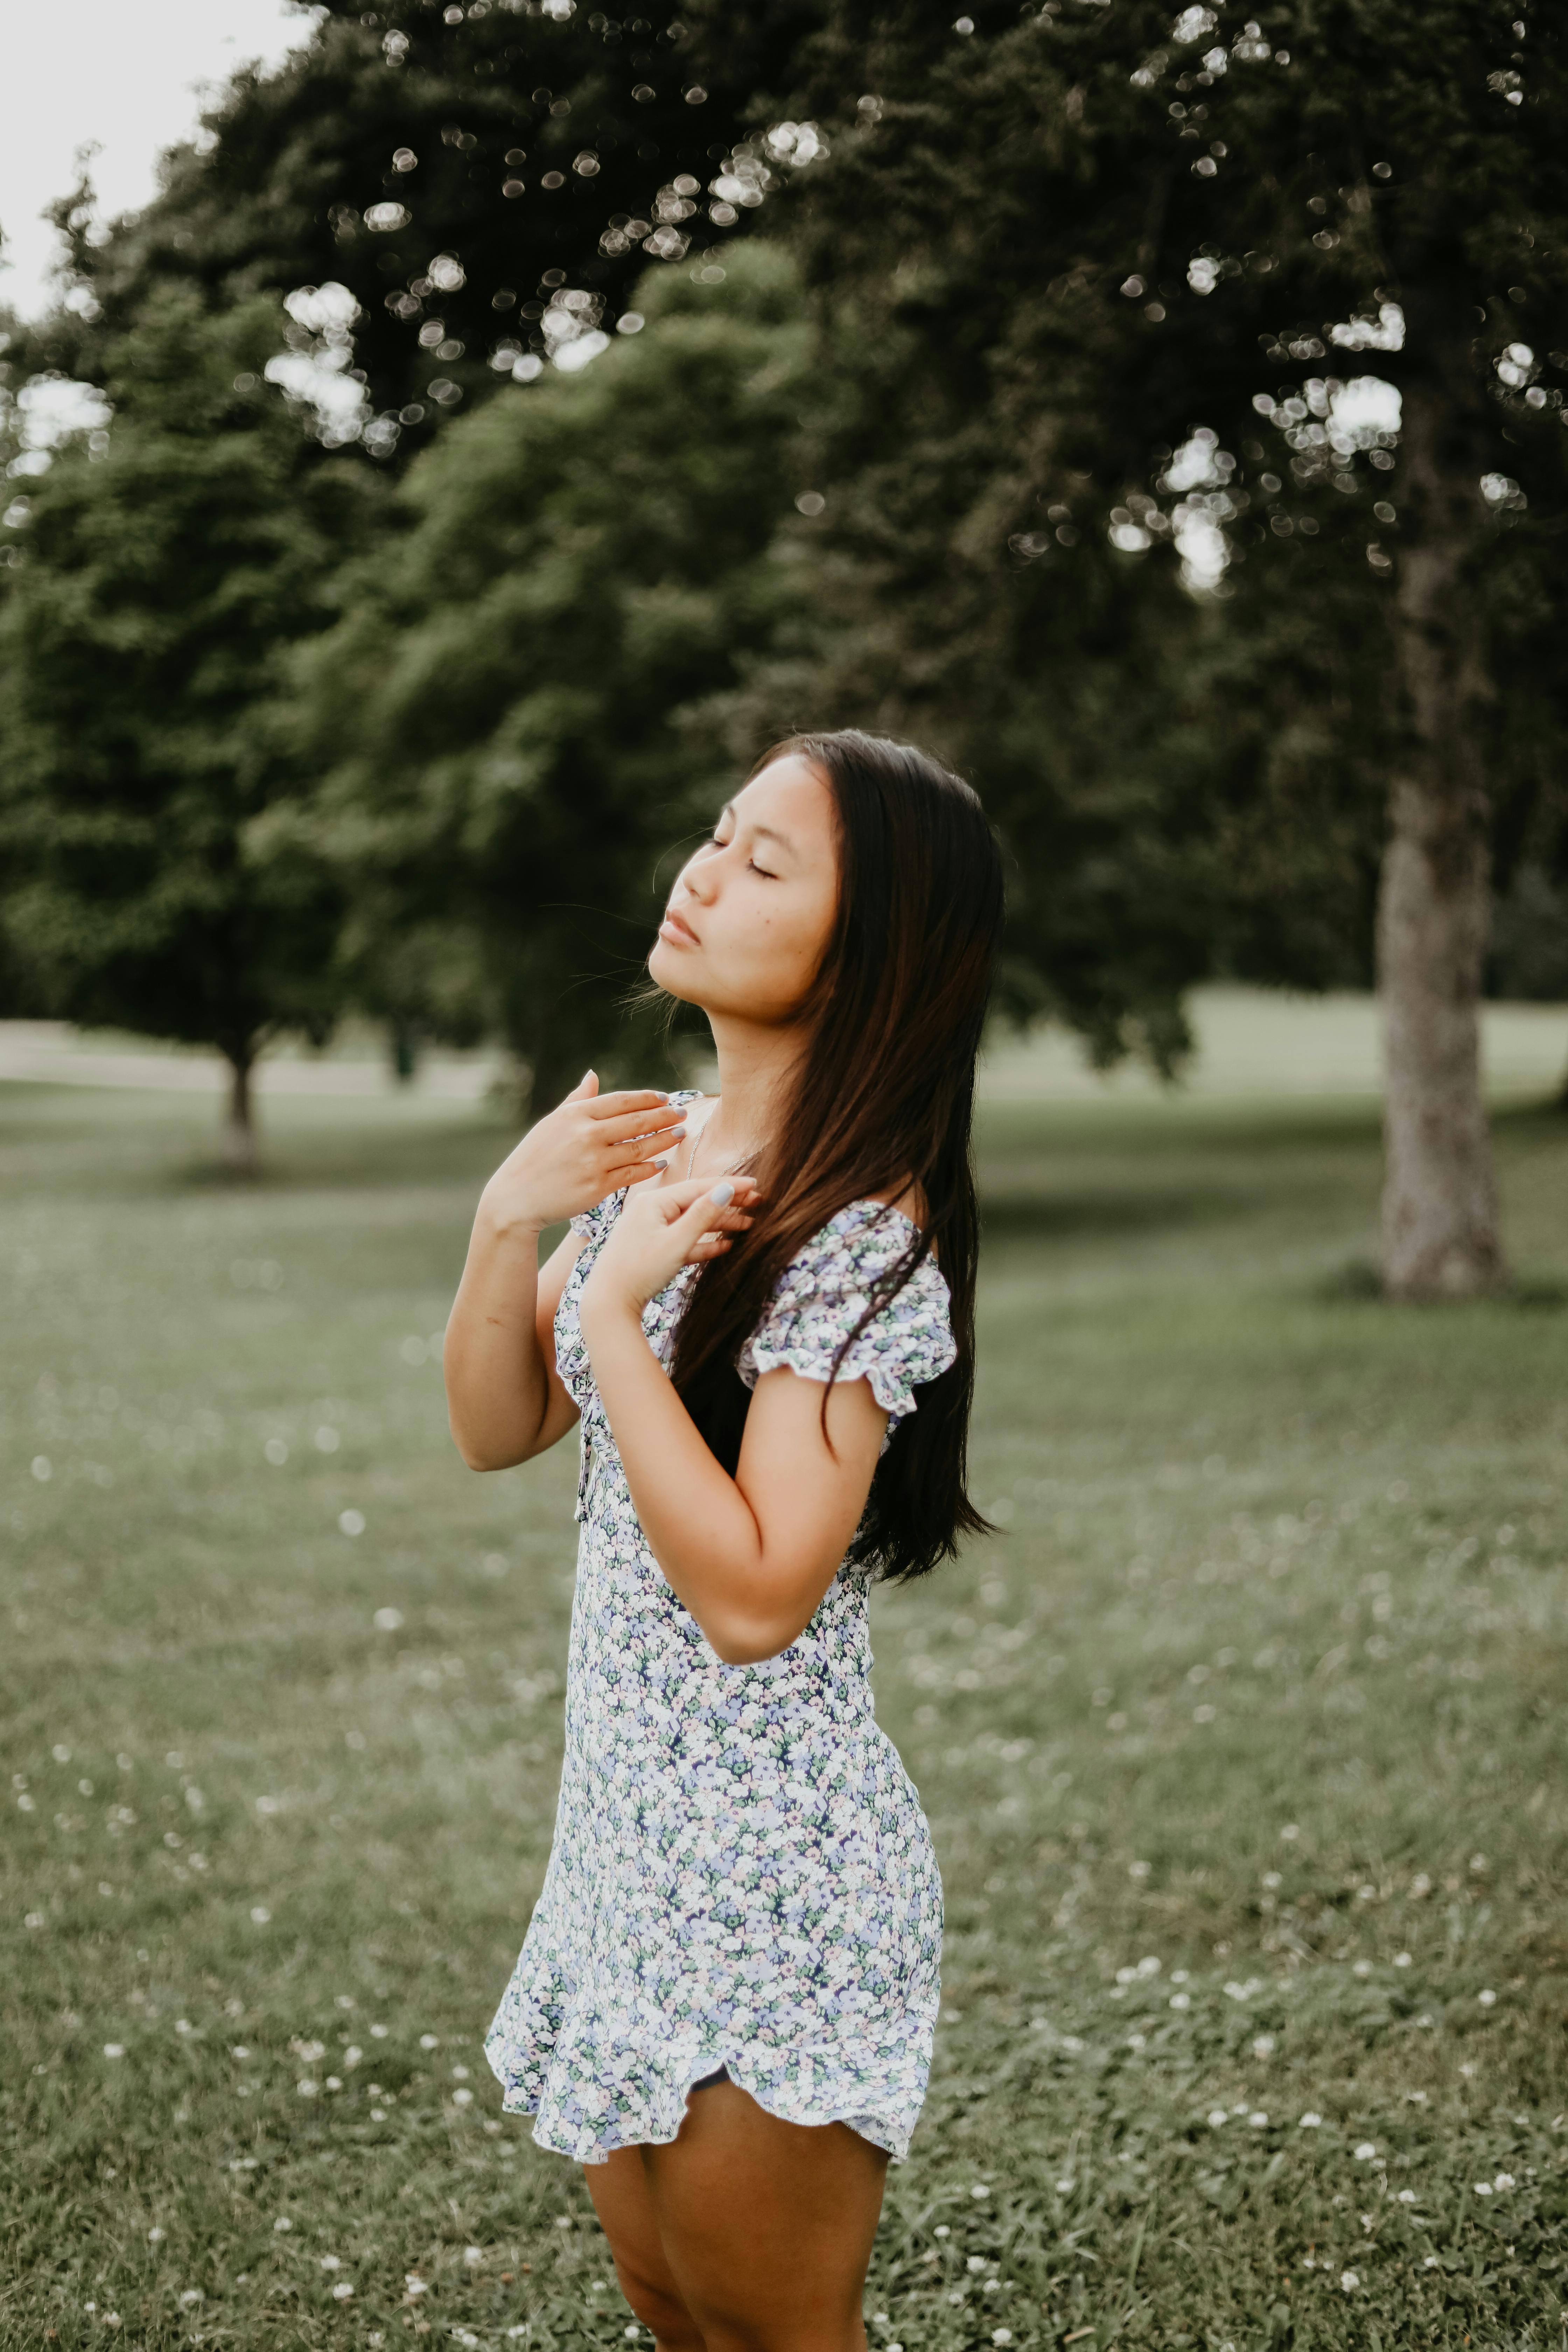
[(721, 1195), (662, 1163)]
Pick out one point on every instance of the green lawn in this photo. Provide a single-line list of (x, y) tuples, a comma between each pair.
[(1242, 1745)]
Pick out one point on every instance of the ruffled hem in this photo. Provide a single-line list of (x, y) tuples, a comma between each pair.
[(662, 2119)]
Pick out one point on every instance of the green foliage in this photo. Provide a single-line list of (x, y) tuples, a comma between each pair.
[(454, 130), (1121, 270), (509, 717), (1274, 1556), (159, 571)]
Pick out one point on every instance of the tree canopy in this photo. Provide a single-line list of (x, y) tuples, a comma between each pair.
[(160, 572), (520, 711)]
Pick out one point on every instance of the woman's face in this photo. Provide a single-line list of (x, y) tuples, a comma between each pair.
[(750, 914)]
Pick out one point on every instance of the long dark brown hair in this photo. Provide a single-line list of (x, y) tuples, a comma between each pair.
[(882, 1102)]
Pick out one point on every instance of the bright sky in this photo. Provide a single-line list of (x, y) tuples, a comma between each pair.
[(126, 74)]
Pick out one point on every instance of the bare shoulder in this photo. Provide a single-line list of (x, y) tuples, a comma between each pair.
[(909, 1201)]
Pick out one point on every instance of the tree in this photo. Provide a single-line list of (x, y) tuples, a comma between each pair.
[(513, 718), (1141, 272), (485, 184), (156, 571)]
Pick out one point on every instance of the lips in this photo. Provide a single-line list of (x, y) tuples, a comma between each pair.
[(679, 934)]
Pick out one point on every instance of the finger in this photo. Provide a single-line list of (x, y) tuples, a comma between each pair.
[(586, 1086), (742, 1192), (708, 1211), (624, 1098), (626, 1124)]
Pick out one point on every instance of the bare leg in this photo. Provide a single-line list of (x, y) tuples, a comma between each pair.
[(750, 2234), (621, 2200)]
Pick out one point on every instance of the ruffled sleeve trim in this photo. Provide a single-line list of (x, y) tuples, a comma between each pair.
[(823, 1293)]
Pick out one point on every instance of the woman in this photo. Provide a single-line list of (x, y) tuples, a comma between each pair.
[(764, 1316)]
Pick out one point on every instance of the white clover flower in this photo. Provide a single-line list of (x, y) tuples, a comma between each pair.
[(1350, 2281), (1365, 2150), (1312, 2121)]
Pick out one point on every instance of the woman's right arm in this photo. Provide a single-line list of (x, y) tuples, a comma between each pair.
[(505, 1400)]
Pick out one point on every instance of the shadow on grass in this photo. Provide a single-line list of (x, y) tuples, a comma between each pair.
[(1076, 1216), (1359, 1283), (99, 1144)]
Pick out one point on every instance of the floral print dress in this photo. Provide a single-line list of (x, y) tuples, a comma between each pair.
[(742, 1875)]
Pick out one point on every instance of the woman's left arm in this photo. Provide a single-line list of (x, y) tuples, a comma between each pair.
[(749, 1556)]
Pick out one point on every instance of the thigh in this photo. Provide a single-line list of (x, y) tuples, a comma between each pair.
[(767, 2226), (624, 2202)]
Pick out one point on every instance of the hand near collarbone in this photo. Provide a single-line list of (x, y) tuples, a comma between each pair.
[(589, 1145), (660, 1231)]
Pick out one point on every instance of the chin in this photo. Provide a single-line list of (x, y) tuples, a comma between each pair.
[(671, 969)]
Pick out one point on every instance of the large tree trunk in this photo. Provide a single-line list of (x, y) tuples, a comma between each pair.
[(239, 1152), (1440, 1235)]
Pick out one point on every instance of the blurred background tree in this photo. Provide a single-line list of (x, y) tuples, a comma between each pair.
[(1133, 262), (1166, 434), (510, 721), (163, 568)]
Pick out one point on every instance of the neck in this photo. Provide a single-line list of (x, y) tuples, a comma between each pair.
[(755, 1065)]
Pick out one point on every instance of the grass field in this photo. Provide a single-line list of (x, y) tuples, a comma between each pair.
[(1243, 1744)]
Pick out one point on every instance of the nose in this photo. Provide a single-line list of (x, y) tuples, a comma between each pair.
[(695, 881)]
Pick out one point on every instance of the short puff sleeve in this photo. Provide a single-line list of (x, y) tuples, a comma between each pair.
[(822, 1294)]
